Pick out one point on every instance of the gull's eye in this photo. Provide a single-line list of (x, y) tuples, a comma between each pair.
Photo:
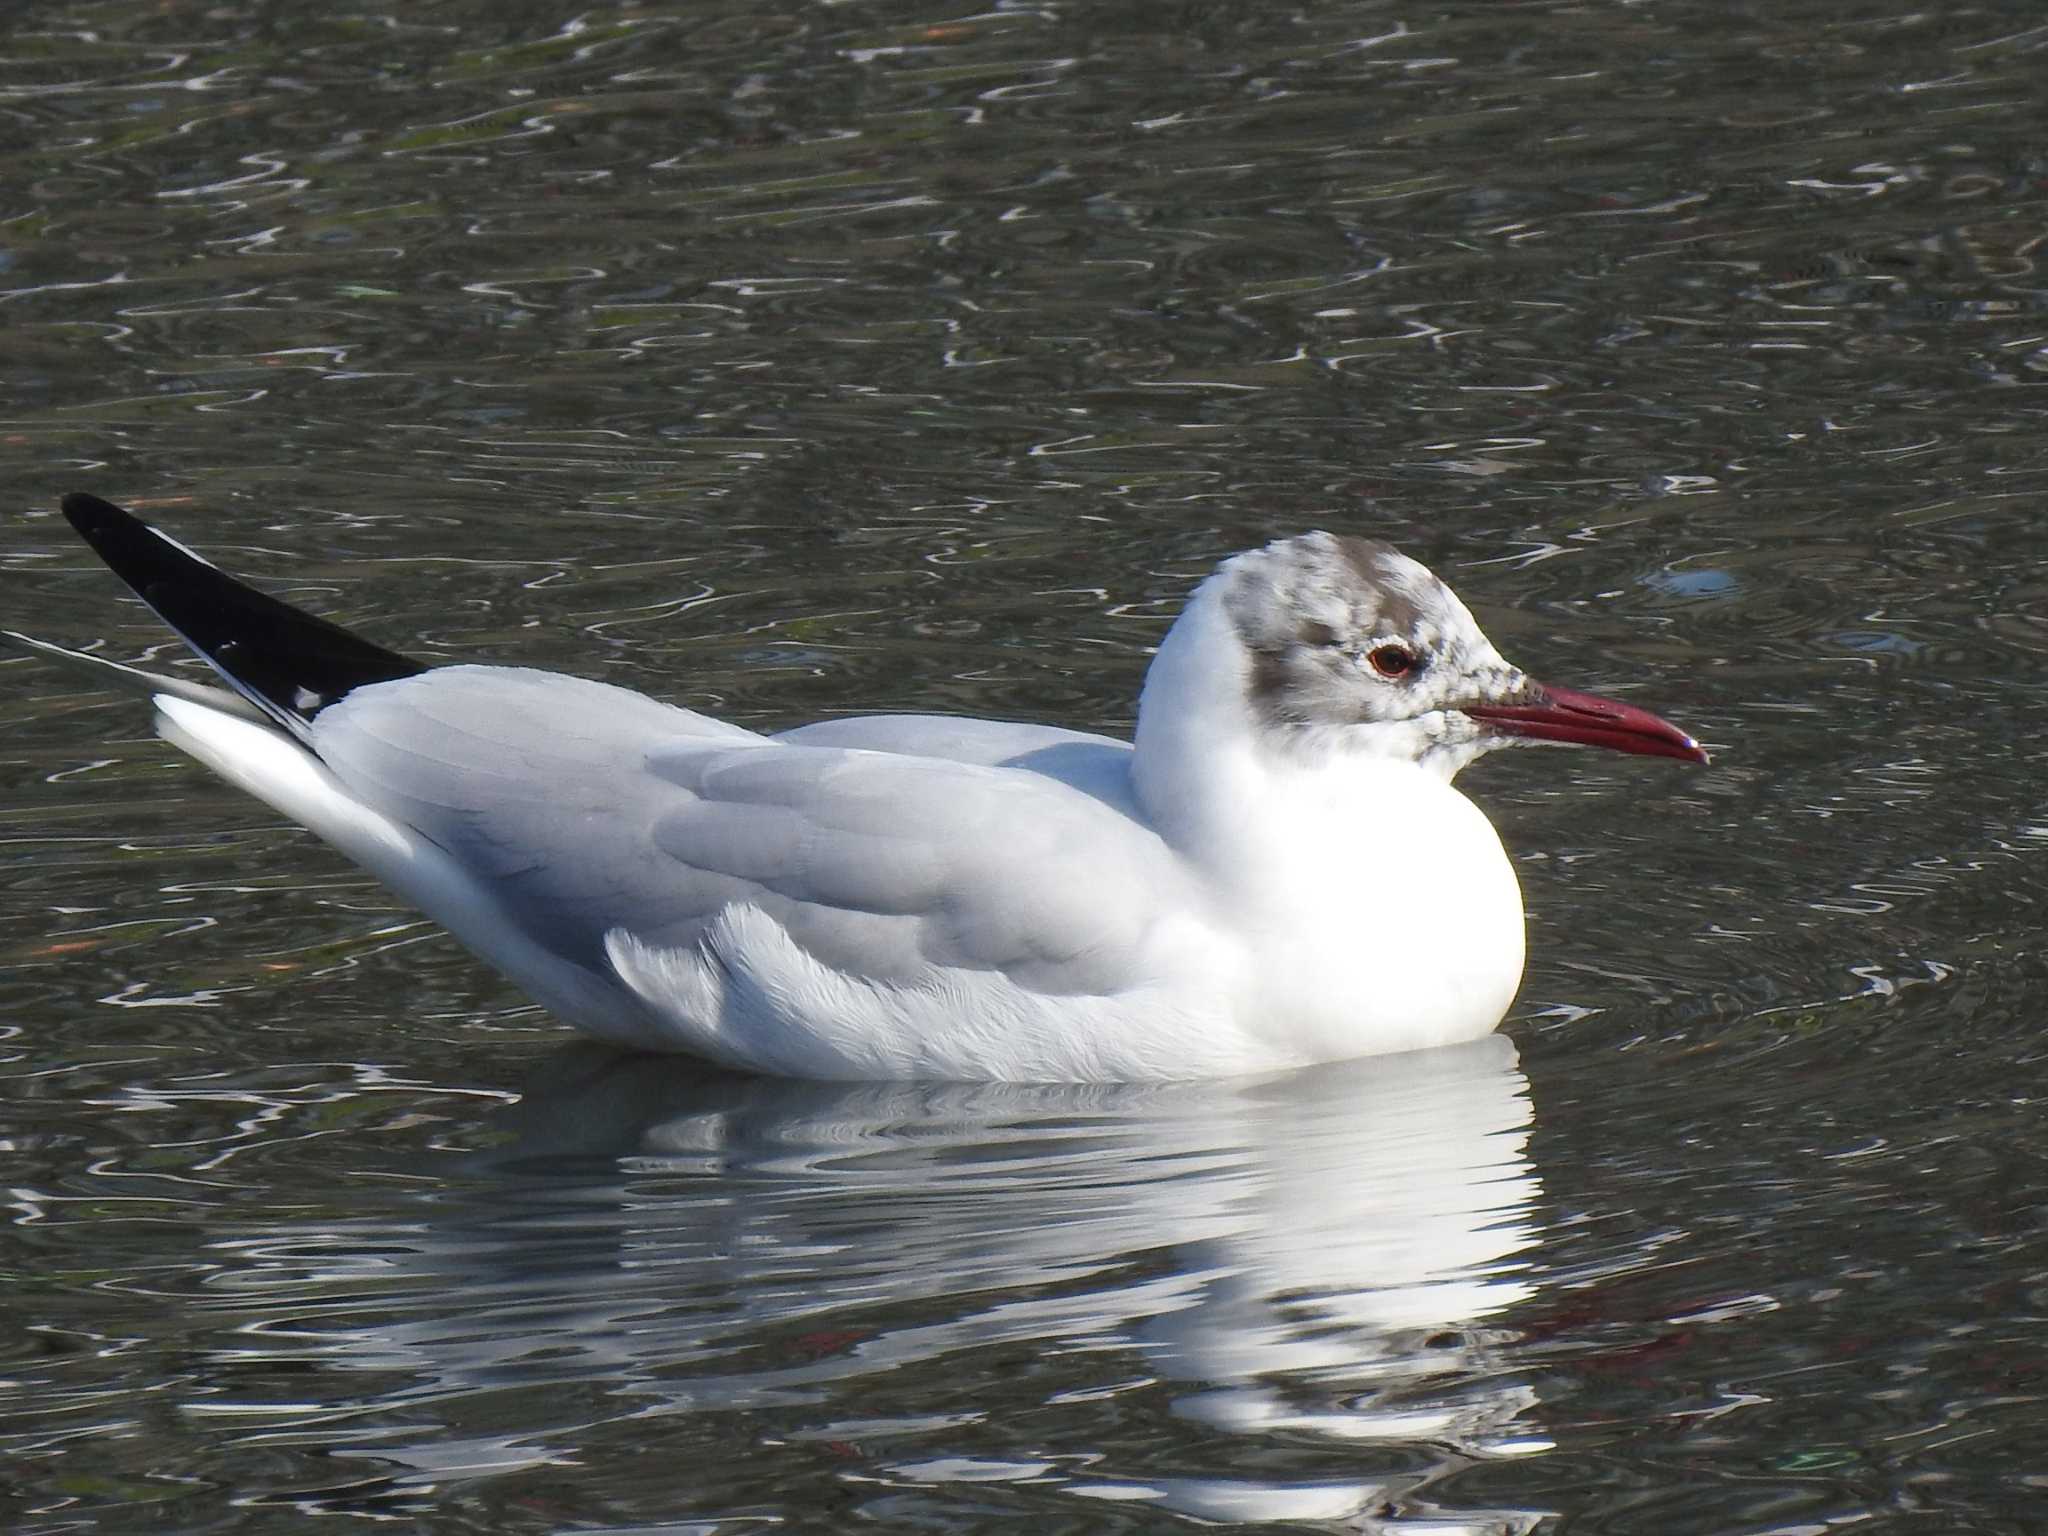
[(1392, 662)]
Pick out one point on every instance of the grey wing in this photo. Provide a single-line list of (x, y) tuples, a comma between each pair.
[(586, 809), (956, 739), (1098, 766)]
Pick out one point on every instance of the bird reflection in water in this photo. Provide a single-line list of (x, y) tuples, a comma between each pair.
[(1301, 1263)]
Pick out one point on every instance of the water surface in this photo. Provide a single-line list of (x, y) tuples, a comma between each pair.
[(848, 357)]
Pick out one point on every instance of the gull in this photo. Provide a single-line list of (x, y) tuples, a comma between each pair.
[(1275, 872)]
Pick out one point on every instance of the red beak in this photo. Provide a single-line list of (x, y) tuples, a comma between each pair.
[(1561, 714)]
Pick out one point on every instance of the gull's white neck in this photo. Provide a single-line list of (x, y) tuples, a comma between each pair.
[(1203, 754), (1377, 890)]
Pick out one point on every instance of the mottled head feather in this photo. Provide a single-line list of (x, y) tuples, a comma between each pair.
[(1312, 611)]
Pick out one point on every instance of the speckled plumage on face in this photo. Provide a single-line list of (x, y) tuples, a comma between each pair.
[(1310, 612)]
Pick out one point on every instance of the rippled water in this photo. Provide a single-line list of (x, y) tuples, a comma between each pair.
[(852, 357)]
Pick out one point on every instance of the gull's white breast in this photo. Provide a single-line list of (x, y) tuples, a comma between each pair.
[(1380, 908)]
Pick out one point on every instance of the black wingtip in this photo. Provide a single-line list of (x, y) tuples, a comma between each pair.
[(280, 658), (88, 513)]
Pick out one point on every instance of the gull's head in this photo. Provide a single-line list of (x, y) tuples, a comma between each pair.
[(1348, 641)]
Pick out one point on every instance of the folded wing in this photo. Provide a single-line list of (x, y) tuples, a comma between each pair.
[(589, 811)]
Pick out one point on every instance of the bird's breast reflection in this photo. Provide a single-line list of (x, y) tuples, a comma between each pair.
[(1309, 1251), (1314, 1257)]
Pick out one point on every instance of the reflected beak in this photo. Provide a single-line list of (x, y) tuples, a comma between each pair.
[(1560, 714)]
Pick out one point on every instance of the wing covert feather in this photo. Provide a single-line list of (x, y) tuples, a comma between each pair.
[(590, 809)]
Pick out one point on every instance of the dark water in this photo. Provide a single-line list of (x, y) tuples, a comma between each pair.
[(852, 356)]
